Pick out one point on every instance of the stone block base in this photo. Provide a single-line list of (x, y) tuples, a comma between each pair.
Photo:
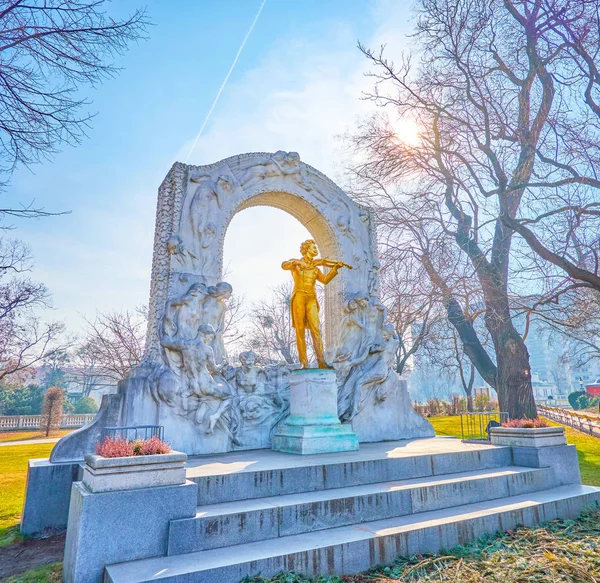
[(309, 439), (313, 425), (46, 508), (121, 526), (562, 458)]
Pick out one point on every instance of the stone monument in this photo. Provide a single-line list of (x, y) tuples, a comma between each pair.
[(186, 381)]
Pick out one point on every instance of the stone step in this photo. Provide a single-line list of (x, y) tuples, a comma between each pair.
[(351, 549), (244, 521), (264, 473)]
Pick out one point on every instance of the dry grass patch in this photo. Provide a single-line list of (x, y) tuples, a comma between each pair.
[(562, 551)]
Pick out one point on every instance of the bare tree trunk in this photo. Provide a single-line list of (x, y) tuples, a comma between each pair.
[(515, 392), (469, 389)]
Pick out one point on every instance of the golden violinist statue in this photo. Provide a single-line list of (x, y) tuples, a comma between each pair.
[(303, 303)]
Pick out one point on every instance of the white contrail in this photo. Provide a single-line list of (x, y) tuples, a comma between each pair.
[(214, 104)]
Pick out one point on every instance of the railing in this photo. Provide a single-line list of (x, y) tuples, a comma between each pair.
[(580, 421), (133, 432), (11, 422), (475, 426)]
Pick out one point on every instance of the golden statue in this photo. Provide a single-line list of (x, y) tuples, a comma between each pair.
[(303, 303)]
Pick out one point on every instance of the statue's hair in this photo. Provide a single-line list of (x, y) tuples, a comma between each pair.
[(206, 329), (245, 355), (221, 287), (197, 286), (305, 245)]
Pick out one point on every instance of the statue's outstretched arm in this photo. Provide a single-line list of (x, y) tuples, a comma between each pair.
[(291, 264), (325, 279), (170, 343)]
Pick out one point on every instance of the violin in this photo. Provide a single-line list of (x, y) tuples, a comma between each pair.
[(324, 262)]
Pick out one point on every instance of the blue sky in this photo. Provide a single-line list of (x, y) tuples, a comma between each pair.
[(296, 87)]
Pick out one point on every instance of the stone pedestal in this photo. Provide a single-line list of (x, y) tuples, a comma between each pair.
[(122, 510), (313, 425)]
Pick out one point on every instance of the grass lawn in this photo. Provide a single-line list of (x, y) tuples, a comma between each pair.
[(6, 436), (588, 447), (47, 574), (13, 473)]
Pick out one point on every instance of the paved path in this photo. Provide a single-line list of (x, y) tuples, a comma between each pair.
[(31, 441)]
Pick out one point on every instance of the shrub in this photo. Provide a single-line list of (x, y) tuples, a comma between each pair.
[(573, 397), (21, 400), (526, 423), (119, 447), (154, 445), (86, 405), (52, 408)]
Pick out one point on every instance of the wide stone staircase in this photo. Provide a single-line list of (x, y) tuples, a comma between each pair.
[(263, 512)]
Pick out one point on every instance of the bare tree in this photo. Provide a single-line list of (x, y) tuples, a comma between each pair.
[(52, 408), (270, 333), (444, 351), (411, 301), (111, 346), (499, 100), (24, 340), (48, 50)]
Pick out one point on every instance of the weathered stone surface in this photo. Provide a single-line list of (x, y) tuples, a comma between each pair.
[(130, 524), (47, 495), (265, 473), (76, 445), (528, 437), (313, 425), (229, 523), (102, 474), (352, 549), (561, 458), (313, 398)]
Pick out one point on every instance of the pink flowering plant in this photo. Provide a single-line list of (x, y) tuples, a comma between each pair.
[(119, 447), (526, 423)]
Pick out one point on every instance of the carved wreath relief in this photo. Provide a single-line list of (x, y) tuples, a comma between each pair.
[(190, 372)]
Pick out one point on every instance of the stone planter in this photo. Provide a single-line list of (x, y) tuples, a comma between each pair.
[(103, 474), (528, 437)]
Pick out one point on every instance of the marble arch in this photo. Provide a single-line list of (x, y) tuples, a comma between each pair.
[(218, 191), (185, 381)]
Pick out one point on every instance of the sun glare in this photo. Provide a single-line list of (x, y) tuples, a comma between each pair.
[(406, 130)]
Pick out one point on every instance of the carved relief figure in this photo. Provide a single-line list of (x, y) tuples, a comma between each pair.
[(352, 340), (213, 313), (183, 315), (204, 392), (208, 199), (175, 245), (280, 164), (303, 303), (373, 279), (247, 375), (345, 227), (372, 372)]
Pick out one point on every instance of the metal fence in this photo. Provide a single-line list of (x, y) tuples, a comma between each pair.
[(475, 426), (133, 432), (12, 422), (581, 421)]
